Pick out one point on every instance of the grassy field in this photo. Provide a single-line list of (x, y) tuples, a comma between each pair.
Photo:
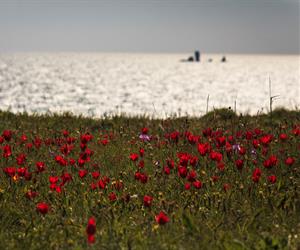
[(221, 181)]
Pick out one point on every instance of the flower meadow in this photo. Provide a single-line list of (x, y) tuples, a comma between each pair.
[(221, 181)]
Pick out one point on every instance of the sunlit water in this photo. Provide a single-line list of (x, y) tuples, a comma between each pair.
[(157, 85)]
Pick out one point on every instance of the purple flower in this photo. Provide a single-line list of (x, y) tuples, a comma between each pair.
[(236, 147), (144, 137)]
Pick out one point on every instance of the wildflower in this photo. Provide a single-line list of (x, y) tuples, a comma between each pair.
[(270, 162), (7, 134), (40, 166), (134, 157), (289, 161), (182, 171), (42, 208), (82, 173), (21, 158), (91, 230), (226, 187), (266, 140), (203, 148), (161, 218), (272, 179), (283, 137), (95, 175), (187, 186), (31, 194), (216, 156), (256, 175), (147, 200), (197, 184), (192, 176), (112, 196), (7, 151), (167, 170), (221, 166), (239, 164), (144, 137)]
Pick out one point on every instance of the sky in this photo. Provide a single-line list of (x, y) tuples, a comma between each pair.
[(169, 26)]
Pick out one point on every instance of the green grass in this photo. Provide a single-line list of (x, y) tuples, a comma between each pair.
[(248, 216)]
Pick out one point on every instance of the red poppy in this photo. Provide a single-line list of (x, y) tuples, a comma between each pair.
[(239, 164), (187, 186), (112, 196), (145, 131), (40, 166), (256, 175), (147, 200), (226, 187), (197, 184), (283, 137), (161, 218), (134, 157), (91, 230), (203, 148), (167, 170), (289, 161), (216, 156), (82, 173), (272, 179), (31, 194), (7, 151), (7, 134), (21, 158), (266, 140), (42, 208), (182, 171)]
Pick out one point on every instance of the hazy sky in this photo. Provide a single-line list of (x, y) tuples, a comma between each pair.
[(213, 26)]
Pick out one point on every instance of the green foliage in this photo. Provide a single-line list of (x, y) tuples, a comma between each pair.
[(247, 216)]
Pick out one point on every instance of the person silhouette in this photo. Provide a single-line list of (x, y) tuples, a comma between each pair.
[(197, 56), (223, 59)]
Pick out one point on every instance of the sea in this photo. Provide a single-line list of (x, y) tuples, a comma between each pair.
[(153, 85)]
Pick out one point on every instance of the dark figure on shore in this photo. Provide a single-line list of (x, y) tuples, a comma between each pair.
[(197, 56), (190, 59), (223, 59)]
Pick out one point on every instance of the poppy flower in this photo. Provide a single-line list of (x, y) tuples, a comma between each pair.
[(147, 200), (82, 173), (289, 161), (187, 186), (91, 230), (256, 175), (7, 134), (167, 170), (112, 196), (266, 140), (145, 131), (42, 208), (197, 184), (31, 194), (161, 218), (192, 176), (272, 179), (239, 164), (21, 158), (216, 156), (7, 151), (203, 148), (226, 187), (40, 166), (182, 171), (283, 137), (134, 157)]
